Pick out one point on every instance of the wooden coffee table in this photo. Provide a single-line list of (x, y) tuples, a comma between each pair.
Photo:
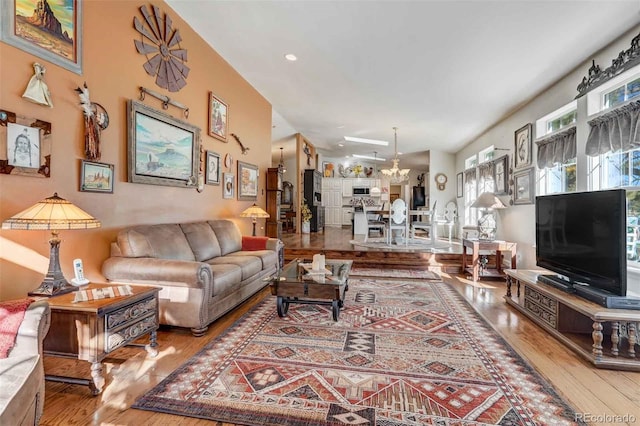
[(294, 284), (89, 331)]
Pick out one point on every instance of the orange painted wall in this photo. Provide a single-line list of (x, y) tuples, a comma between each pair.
[(113, 71)]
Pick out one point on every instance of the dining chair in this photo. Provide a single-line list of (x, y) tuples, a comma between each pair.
[(427, 224), (398, 220), (374, 220)]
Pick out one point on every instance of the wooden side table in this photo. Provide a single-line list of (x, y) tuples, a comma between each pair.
[(91, 330), (493, 271)]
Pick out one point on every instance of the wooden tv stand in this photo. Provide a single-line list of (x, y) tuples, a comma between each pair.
[(605, 337)]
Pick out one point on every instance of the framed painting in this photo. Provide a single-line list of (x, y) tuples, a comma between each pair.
[(247, 181), (459, 186), (501, 175), (22, 28), (96, 177), (228, 185), (523, 147), (213, 168), (218, 118), (162, 150), (524, 186), (25, 145)]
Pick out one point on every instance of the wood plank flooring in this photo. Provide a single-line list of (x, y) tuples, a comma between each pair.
[(130, 372)]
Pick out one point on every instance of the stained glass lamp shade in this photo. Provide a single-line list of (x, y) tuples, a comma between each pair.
[(53, 213), (254, 212)]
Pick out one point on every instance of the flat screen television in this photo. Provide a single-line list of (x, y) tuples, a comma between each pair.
[(582, 236)]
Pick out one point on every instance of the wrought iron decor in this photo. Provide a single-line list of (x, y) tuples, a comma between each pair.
[(596, 76)]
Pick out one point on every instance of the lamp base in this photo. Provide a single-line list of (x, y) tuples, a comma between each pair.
[(49, 288), (54, 282)]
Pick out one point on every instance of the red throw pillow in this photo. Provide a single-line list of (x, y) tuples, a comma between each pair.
[(254, 243), (11, 315)]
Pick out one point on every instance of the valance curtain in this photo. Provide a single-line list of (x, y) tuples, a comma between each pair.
[(617, 130), (559, 148)]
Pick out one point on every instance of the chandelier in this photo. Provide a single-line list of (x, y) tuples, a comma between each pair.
[(396, 174), (281, 165)]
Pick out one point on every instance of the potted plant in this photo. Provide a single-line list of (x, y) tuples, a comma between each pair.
[(305, 214)]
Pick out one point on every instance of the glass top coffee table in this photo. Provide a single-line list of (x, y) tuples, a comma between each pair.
[(298, 283)]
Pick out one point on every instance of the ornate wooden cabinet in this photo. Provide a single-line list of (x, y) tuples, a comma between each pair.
[(274, 198)]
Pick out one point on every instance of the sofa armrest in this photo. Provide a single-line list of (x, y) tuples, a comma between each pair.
[(33, 330), (277, 245), (188, 273)]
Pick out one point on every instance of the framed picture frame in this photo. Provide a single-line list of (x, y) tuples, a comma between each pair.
[(523, 147), (459, 185), (524, 186), (212, 176), (247, 181), (501, 175), (162, 150), (218, 118), (228, 186), (63, 49), (25, 145), (96, 177)]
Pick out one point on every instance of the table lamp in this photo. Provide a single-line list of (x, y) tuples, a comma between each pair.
[(53, 213), (487, 222), (254, 212)]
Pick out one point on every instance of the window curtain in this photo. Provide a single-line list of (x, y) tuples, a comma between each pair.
[(559, 148), (617, 130), (485, 170), (470, 176)]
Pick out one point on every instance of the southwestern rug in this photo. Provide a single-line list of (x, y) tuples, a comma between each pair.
[(402, 353), (394, 273)]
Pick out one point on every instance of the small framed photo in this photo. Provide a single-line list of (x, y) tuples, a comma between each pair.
[(247, 181), (213, 168), (228, 188), (459, 185), (524, 186), (218, 118), (500, 175), (96, 177), (523, 145)]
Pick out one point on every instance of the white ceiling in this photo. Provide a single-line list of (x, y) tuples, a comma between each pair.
[(443, 72)]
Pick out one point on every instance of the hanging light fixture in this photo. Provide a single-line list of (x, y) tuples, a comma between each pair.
[(281, 165), (395, 174), (375, 191)]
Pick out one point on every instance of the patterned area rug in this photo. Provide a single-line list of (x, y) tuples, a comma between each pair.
[(394, 273), (402, 353)]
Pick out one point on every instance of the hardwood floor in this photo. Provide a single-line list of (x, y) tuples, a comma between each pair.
[(130, 372)]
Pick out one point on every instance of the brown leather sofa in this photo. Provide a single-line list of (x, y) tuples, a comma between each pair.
[(200, 266), (22, 372)]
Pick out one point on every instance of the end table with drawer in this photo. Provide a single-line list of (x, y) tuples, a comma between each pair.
[(91, 330)]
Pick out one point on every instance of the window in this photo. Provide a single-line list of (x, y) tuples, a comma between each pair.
[(615, 170), (620, 94), (471, 162), (558, 174), (470, 195), (486, 154)]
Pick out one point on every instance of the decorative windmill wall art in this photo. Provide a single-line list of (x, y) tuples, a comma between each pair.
[(160, 43)]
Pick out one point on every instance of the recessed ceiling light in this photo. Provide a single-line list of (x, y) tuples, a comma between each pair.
[(340, 127), (368, 141), (340, 144), (290, 57)]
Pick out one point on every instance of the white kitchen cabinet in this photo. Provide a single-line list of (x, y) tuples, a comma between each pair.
[(333, 216), (347, 187), (347, 215)]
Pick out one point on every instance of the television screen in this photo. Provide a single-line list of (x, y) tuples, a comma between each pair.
[(582, 236)]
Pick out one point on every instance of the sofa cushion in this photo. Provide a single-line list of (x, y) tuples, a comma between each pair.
[(254, 243), (202, 240), (228, 235), (226, 276), (250, 265), (165, 241), (269, 258)]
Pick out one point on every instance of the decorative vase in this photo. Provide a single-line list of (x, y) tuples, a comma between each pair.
[(306, 227)]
